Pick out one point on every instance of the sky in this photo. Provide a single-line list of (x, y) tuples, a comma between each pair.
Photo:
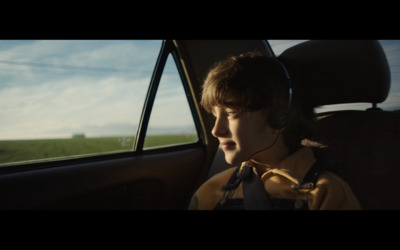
[(57, 88)]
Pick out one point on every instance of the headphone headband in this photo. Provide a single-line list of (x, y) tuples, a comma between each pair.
[(289, 81), (278, 118)]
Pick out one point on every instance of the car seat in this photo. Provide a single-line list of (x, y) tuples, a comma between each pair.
[(364, 144)]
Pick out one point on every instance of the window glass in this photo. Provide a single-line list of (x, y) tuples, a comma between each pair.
[(63, 98), (171, 121), (392, 51), (278, 46)]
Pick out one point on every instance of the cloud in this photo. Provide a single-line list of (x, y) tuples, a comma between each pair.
[(42, 96), (92, 87), (74, 104), (29, 62)]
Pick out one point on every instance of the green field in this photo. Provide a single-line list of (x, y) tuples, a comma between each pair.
[(28, 150)]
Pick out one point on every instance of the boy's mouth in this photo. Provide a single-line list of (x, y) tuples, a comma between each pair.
[(227, 145)]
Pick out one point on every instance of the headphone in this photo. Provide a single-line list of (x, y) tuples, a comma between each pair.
[(278, 118)]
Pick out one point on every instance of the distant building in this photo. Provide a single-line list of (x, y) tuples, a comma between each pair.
[(78, 135)]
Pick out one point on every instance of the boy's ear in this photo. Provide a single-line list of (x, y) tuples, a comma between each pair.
[(277, 119)]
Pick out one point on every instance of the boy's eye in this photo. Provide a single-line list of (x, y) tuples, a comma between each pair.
[(231, 112)]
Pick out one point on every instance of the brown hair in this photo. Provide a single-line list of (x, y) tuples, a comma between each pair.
[(255, 81)]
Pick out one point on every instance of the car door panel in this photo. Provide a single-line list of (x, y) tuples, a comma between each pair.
[(154, 181)]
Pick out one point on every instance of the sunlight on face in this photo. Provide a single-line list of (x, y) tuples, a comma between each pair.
[(241, 133)]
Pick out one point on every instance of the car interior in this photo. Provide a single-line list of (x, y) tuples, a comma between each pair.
[(364, 145)]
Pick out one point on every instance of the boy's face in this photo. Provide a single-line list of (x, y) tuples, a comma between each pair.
[(241, 134)]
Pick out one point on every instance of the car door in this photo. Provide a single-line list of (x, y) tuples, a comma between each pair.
[(106, 160)]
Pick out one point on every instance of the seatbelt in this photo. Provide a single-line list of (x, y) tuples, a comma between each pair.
[(256, 198), (254, 195), (310, 179)]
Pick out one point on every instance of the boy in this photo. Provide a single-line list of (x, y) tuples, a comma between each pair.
[(260, 125)]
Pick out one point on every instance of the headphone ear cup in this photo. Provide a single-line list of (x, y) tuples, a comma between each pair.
[(278, 119)]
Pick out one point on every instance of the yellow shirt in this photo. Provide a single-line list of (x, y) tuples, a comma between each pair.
[(330, 193)]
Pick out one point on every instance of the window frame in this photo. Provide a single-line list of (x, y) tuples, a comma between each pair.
[(167, 48)]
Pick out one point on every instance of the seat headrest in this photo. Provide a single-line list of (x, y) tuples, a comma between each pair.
[(333, 72)]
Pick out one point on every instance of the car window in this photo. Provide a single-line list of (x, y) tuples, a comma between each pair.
[(392, 51), (278, 46), (64, 99), (171, 121)]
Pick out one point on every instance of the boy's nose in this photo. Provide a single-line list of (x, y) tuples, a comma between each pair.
[(219, 129)]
